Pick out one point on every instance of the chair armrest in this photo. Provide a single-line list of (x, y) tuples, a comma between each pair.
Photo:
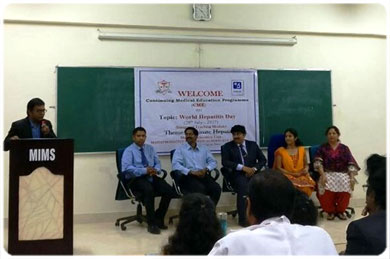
[(176, 175), (164, 173), (226, 170), (228, 185), (216, 174), (125, 183)]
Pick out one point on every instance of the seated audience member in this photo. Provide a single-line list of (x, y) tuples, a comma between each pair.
[(270, 204), (140, 159), (198, 228), (291, 161), (241, 159), (33, 126), (367, 236), (195, 162), (304, 212)]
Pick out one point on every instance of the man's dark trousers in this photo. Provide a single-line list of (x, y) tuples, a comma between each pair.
[(148, 190)]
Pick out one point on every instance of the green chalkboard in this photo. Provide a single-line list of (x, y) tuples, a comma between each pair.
[(300, 99), (95, 107)]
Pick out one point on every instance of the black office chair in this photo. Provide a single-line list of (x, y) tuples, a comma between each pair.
[(315, 176), (176, 175), (124, 192), (227, 187)]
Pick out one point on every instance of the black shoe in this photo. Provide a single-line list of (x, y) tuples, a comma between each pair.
[(243, 224), (160, 224), (154, 229)]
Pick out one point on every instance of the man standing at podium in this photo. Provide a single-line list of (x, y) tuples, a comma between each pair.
[(33, 126)]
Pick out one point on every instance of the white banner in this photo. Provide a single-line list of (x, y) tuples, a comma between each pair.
[(211, 100)]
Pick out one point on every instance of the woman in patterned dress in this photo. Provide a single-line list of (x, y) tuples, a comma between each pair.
[(291, 161), (337, 168)]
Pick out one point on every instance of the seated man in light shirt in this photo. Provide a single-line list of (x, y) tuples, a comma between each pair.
[(140, 159), (270, 204), (195, 161)]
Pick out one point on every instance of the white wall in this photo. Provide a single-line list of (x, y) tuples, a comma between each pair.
[(348, 39)]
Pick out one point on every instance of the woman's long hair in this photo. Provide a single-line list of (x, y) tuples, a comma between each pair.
[(298, 142), (198, 228)]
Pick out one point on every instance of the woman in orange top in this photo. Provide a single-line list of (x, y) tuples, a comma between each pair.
[(291, 160)]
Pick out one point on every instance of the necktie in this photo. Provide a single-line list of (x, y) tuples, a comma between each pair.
[(243, 153), (143, 157), (145, 162)]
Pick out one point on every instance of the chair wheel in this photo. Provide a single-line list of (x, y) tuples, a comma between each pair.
[(123, 228), (234, 215), (170, 222), (117, 223), (139, 221)]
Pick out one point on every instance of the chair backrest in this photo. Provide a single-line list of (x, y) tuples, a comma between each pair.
[(122, 193), (171, 153), (119, 154), (312, 152), (275, 142)]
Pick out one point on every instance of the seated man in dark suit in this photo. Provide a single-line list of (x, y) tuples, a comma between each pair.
[(240, 160), (140, 160), (33, 126), (367, 236)]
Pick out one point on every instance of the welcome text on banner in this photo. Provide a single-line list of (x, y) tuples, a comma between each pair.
[(211, 100)]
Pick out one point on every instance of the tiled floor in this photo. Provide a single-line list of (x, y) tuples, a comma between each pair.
[(103, 238)]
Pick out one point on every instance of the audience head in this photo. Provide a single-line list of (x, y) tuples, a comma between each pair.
[(36, 109), (191, 135), (291, 137), (333, 134), (139, 136), (376, 191), (198, 228), (304, 213), (271, 194), (238, 132)]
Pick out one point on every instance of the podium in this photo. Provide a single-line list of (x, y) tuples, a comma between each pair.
[(41, 197)]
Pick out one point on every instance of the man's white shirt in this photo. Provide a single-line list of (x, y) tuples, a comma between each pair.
[(276, 236)]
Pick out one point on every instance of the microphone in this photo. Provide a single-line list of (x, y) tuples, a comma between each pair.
[(43, 124)]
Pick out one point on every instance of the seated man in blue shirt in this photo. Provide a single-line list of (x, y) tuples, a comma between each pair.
[(33, 126), (140, 159), (195, 162)]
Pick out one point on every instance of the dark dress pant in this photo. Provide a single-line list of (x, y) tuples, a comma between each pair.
[(148, 190), (205, 185), (239, 182), (240, 185)]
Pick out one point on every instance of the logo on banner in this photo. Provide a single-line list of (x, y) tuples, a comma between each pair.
[(237, 87), (163, 87)]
